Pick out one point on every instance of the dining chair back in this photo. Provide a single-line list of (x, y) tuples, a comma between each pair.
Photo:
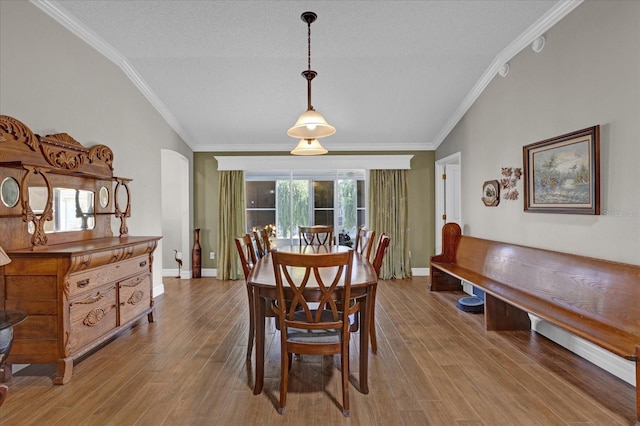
[(310, 288), (364, 242), (266, 243), (316, 235), (247, 253), (260, 249), (381, 251)]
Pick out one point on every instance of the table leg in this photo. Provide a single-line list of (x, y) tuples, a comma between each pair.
[(365, 305), (259, 312)]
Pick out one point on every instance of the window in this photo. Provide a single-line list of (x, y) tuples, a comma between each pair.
[(289, 199), (260, 198)]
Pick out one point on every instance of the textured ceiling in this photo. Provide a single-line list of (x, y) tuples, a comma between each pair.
[(392, 75)]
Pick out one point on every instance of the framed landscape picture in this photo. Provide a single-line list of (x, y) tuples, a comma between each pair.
[(562, 174)]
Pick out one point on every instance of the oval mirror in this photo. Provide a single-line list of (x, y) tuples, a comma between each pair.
[(104, 196), (10, 192), (122, 197)]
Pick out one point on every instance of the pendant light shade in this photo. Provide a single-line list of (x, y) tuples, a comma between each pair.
[(309, 147), (311, 125)]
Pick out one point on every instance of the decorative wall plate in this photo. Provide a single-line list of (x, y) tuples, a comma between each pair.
[(491, 193)]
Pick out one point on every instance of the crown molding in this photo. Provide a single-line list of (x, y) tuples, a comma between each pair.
[(316, 162), (538, 28), (288, 145), (56, 12)]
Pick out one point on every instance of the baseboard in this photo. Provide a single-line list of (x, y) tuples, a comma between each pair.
[(186, 275), (158, 289), (420, 272), (618, 366)]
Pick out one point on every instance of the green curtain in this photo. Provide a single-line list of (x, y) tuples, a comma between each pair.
[(231, 223), (389, 214)]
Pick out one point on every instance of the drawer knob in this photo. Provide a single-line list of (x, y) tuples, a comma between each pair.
[(143, 263), (83, 283)]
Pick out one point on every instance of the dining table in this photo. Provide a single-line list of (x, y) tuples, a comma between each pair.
[(262, 282)]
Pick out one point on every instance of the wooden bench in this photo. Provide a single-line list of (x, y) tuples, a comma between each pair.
[(594, 299)]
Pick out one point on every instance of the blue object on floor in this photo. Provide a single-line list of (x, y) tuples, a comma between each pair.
[(471, 304)]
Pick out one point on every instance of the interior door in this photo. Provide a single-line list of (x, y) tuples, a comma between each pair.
[(452, 193), (448, 194)]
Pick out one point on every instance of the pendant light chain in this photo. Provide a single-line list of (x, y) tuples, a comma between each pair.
[(309, 45), (309, 74)]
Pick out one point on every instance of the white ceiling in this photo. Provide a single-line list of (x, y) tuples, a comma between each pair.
[(392, 75)]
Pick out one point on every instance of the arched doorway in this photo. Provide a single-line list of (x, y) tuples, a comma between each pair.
[(175, 213)]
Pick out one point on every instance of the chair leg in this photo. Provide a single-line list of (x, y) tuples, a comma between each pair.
[(252, 322), (285, 356), (356, 322), (345, 377), (372, 321), (3, 393)]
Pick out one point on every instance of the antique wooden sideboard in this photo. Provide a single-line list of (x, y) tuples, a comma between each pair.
[(78, 283)]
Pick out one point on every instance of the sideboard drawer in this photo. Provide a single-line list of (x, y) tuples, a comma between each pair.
[(134, 295), (91, 315), (91, 279)]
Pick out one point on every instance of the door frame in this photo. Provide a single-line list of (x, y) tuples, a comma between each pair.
[(440, 169)]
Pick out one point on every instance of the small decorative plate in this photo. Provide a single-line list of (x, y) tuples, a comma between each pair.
[(491, 193)]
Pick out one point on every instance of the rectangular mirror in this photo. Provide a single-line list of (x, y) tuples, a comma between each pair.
[(73, 209)]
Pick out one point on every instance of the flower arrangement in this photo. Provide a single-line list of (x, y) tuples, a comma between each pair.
[(271, 230)]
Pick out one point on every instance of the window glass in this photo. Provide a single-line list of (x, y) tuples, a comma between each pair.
[(323, 195), (261, 195), (292, 207), (347, 208)]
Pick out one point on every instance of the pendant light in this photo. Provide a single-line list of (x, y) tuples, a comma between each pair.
[(309, 147), (311, 125)]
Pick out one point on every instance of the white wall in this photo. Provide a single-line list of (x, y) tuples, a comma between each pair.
[(587, 74), (54, 82)]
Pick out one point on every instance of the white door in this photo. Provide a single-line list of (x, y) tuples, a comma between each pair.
[(452, 193), (448, 194)]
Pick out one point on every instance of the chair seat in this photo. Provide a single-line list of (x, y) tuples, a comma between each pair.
[(317, 336)]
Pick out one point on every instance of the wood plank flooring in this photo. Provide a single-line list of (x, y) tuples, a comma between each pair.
[(436, 365)]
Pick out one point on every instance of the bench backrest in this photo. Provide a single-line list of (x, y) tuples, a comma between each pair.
[(600, 289)]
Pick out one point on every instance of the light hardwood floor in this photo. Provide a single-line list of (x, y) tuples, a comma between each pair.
[(435, 366)]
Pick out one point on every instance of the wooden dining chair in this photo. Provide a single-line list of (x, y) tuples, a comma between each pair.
[(248, 259), (257, 242), (364, 242), (381, 250), (363, 245), (316, 235), (310, 321)]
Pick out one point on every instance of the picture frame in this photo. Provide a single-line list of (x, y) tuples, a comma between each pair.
[(491, 193), (562, 174)]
